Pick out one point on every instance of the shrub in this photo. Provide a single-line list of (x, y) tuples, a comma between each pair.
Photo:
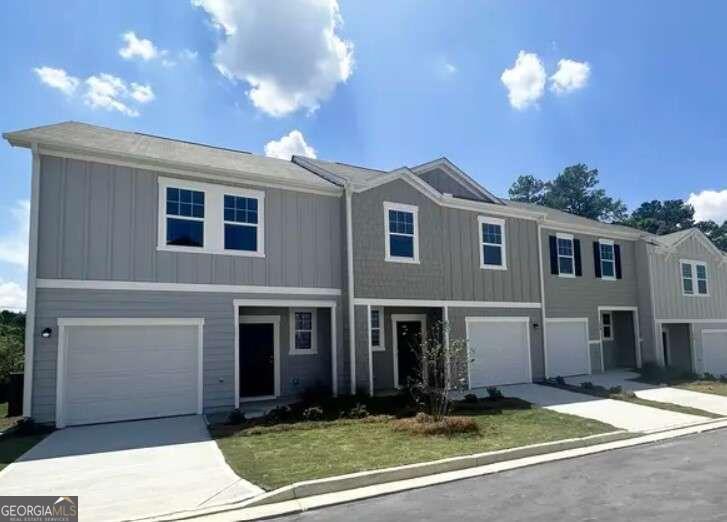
[(560, 381), (723, 378), (424, 424), (709, 377), (587, 385), (470, 398), (315, 394), (493, 392), (358, 412), (279, 414), (314, 413), (615, 390), (235, 417)]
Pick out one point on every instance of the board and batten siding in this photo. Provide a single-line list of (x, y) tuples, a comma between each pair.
[(218, 339), (581, 296), (449, 267), (100, 222), (669, 301)]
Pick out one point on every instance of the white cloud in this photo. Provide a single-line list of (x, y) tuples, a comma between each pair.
[(137, 47), (188, 54), (570, 76), (58, 79), (105, 91), (14, 241), (709, 204), (289, 62), (450, 68), (12, 296), (287, 146), (525, 81), (142, 93)]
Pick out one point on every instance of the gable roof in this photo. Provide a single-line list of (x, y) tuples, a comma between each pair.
[(457, 175), (157, 152), (673, 240), (340, 173)]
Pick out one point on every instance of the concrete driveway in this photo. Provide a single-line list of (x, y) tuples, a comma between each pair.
[(621, 414), (702, 401), (129, 470)]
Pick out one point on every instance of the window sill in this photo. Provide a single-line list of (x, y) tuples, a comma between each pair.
[(696, 295), (605, 278), (567, 276), (378, 349), (202, 250), (402, 260), (493, 267)]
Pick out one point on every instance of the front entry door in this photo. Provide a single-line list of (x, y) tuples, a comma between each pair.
[(257, 359), (408, 343)]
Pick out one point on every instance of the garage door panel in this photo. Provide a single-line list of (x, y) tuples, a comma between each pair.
[(714, 352), (568, 348), (500, 352), (117, 373)]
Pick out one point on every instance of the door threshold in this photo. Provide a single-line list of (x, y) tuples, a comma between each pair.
[(258, 398)]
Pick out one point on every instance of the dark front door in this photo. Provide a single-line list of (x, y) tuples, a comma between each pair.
[(408, 341), (257, 359), (665, 344)]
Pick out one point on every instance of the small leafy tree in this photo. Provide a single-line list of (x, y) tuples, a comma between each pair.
[(441, 369)]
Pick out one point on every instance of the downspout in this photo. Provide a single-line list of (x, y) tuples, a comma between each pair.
[(349, 273), (32, 270)]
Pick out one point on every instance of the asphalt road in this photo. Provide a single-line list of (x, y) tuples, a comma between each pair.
[(681, 480)]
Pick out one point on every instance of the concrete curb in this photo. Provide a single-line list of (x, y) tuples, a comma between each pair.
[(254, 509)]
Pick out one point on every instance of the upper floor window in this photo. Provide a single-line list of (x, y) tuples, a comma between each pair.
[(566, 255), (184, 217), (492, 243), (694, 278), (210, 218), (608, 259), (377, 339), (241, 223), (402, 242), (303, 331)]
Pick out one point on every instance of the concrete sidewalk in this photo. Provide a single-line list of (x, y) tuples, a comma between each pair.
[(621, 414), (716, 404)]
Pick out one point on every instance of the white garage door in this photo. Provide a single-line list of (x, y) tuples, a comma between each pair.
[(714, 351), (128, 369), (568, 352), (500, 350)]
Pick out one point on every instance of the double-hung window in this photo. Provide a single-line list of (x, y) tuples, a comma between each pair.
[(608, 259), (303, 331), (377, 336), (492, 243), (694, 278), (402, 231), (184, 217), (210, 218), (240, 223), (566, 256)]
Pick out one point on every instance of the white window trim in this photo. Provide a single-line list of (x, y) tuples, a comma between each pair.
[(481, 220), (214, 223), (313, 336), (402, 208), (600, 257), (567, 237), (603, 326), (382, 345), (695, 281)]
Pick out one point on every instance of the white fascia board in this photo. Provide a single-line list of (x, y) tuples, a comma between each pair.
[(457, 174)]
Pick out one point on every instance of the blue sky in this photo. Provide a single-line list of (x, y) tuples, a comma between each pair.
[(641, 95)]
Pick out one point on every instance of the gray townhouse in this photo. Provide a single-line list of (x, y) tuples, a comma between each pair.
[(168, 277)]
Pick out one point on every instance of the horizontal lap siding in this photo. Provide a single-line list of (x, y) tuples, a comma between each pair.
[(218, 363), (581, 296), (99, 221)]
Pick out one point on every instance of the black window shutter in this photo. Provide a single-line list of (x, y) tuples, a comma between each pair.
[(597, 258), (617, 256), (577, 254), (553, 255)]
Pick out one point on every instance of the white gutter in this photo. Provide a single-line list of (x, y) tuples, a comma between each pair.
[(32, 271), (350, 286)]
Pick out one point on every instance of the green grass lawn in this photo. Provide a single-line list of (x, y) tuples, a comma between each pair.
[(316, 450), (713, 387)]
